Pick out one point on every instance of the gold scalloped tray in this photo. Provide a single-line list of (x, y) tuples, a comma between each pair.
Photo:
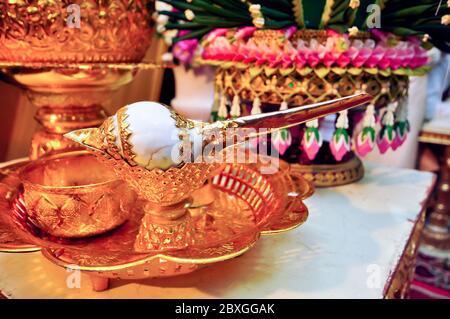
[(246, 204)]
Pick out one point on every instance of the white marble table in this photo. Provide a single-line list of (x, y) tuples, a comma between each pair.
[(348, 248)]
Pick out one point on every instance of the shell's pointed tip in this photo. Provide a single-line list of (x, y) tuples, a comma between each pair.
[(89, 137)]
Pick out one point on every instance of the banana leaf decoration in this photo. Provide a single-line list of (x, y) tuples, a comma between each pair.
[(403, 18)]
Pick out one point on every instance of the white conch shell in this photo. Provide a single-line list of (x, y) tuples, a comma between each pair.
[(143, 133), (152, 135)]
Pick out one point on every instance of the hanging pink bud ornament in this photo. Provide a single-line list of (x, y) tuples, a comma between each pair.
[(340, 142), (387, 133), (282, 139), (365, 141), (401, 124), (312, 140)]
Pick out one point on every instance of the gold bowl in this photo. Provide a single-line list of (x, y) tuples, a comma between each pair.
[(74, 195)]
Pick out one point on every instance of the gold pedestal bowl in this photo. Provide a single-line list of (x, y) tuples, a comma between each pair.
[(70, 57)]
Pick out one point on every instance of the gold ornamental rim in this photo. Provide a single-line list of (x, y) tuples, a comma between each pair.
[(18, 249), (326, 175), (306, 34), (120, 66), (271, 232), (40, 162), (46, 252), (308, 168), (434, 138)]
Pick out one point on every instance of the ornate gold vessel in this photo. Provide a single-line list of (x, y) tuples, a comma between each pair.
[(69, 70), (76, 31), (126, 142), (252, 78)]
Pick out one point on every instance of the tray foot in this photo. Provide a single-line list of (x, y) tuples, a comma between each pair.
[(99, 283)]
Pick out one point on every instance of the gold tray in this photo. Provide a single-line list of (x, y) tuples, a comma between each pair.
[(246, 205)]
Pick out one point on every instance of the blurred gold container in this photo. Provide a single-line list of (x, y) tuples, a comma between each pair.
[(73, 195), (76, 31), (69, 57)]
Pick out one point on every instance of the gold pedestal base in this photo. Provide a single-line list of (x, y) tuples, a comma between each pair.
[(329, 175)]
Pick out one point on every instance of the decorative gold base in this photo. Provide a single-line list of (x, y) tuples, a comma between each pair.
[(330, 175), (247, 204), (68, 96), (436, 232)]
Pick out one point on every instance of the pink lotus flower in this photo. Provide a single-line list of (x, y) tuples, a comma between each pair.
[(281, 140), (343, 60), (311, 142), (289, 32), (375, 57), (214, 34), (340, 144), (385, 138), (244, 33), (288, 56), (249, 51), (333, 33), (361, 51), (406, 54), (300, 60), (184, 50), (387, 59), (365, 142), (338, 50), (420, 57), (329, 58)]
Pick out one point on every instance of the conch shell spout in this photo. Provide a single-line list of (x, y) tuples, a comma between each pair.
[(89, 137)]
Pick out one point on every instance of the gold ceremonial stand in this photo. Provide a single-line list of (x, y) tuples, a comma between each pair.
[(436, 233)]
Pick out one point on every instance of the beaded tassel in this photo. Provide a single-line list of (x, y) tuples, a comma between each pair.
[(256, 109), (222, 113), (401, 124), (365, 141), (282, 139), (340, 142), (312, 140), (235, 107), (387, 133)]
